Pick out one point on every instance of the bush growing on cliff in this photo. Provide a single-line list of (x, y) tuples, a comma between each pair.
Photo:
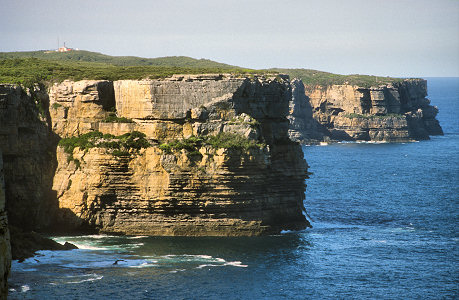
[(83, 142), (120, 145), (133, 140), (232, 140), (222, 140), (191, 144), (115, 119)]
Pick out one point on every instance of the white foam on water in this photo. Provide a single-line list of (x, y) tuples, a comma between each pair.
[(93, 278), (236, 264), (370, 142), (137, 237), (207, 265), (204, 260), (177, 270), (88, 247), (97, 246), (109, 263), (100, 236), (145, 265), (25, 288), (188, 257), (99, 242), (230, 263), (75, 279)]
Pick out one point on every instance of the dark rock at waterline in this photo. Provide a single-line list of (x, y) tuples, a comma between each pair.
[(25, 244), (69, 246)]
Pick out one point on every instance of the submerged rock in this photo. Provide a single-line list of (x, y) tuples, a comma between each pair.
[(25, 244)]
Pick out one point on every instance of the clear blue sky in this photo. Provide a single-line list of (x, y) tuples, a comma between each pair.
[(381, 37)]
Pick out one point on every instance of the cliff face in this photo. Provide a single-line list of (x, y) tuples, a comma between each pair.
[(206, 189), (394, 112), (5, 250), (28, 147), (77, 107)]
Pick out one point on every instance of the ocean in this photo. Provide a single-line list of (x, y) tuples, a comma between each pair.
[(384, 218)]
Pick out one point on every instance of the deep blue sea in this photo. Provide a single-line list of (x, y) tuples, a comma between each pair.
[(385, 220)]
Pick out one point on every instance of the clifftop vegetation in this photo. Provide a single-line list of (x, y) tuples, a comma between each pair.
[(314, 77), (38, 66), (87, 56), (29, 70)]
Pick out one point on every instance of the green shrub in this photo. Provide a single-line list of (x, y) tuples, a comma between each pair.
[(314, 77), (232, 140), (240, 120), (117, 152), (120, 145), (115, 119), (221, 140), (77, 163), (190, 144)]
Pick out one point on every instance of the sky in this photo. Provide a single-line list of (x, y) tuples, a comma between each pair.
[(404, 38)]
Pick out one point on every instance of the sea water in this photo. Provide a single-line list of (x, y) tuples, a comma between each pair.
[(384, 218)]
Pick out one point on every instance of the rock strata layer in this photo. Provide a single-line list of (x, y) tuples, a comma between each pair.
[(208, 190), (395, 112), (241, 175)]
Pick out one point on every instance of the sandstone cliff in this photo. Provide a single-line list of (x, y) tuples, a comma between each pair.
[(187, 155), (162, 188), (394, 112)]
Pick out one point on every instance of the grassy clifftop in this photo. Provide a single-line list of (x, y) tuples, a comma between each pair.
[(314, 77), (39, 66), (87, 56), (29, 70)]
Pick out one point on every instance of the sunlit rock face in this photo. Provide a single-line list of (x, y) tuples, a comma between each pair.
[(395, 112), (208, 190)]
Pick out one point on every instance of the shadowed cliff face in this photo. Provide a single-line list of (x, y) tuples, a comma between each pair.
[(5, 250), (206, 190), (28, 147), (395, 113)]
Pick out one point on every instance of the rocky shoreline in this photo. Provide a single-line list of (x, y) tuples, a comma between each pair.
[(190, 155)]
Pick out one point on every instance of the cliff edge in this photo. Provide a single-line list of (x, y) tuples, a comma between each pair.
[(392, 112)]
